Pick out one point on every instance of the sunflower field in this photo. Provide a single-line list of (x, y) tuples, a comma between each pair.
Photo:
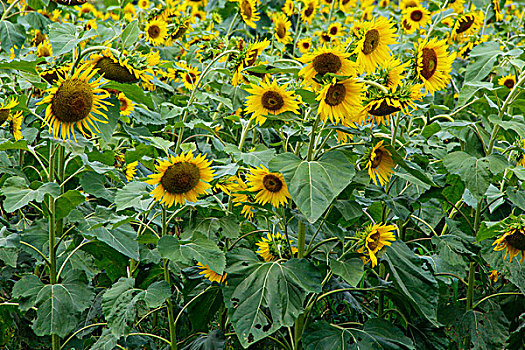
[(251, 174)]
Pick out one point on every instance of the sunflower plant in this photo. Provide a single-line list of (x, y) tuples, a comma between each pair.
[(297, 175)]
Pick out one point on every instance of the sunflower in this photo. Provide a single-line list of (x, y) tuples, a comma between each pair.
[(467, 25), (508, 81), (251, 54), (180, 179), (115, 69), (309, 10), (494, 275), (239, 197), (5, 109), (393, 72), (304, 45), (324, 37), (126, 105), (434, 64), (44, 49), (269, 98), (156, 31), (131, 170), (196, 3), (270, 187), (281, 28), (372, 47), (456, 5), (15, 125), (404, 4), (288, 7), (143, 4), (75, 101), (326, 60), (374, 238), (38, 37), (249, 12), (513, 240), (187, 75), (347, 5), (380, 164), (340, 101), (210, 274), (415, 18), (275, 245), (335, 29)]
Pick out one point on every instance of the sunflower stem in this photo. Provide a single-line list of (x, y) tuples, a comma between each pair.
[(171, 321), (374, 84), (6, 12), (381, 300), (297, 29), (228, 33)]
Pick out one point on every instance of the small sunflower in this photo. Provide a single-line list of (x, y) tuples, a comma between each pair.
[(404, 4), (75, 101), (239, 197), (347, 5), (513, 240), (372, 47), (467, 25), (156, 31), (375, 237), (266, 98), (281, 28), (335, 29), (340, 101), (131, 170), (5, 109), (394, 73), (180, 179), (211, 275), (126, 105), (304, 45), (288, 8), (416, 17), (249, 12), (508, 81), (434, 64), (275, 245), (270, 187), (308, 11), (248, 59), (38, 37), (326, 60), (143, 4), (115, 69), (44, 49), (15, 125), (380, 164), (189, 75)]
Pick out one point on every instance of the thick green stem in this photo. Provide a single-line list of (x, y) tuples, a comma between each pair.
[(381, 301), (55, 340), (301, 235), (171, 320)]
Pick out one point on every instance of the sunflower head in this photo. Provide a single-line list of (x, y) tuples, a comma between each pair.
[(5, 108), (115, 69), (249, 13), (326, 60), (513, 238), (340, 101), (156, 31), (374, 238), (211, 275), (270, 187), (126, 105), (508, 81), (380, 164), (434, 64), (275, 246)]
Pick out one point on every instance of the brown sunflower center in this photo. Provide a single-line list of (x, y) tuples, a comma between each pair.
[(406, 25), (246, 9), (416, 15), (371, 41), (375, 241), (378, 157), (73, 101), (383, 109), (123, 104), (280, 30), (333, 30), (516, 240), (309, 10), (465, 23), (272, 100), (272, 183), (4, 114), (327, 63), (39, 38), (326, 38), (251, 57), (114, 71), (306, 45), (335, 95), (180, 178), (191, 77), (429, 63), (509, 83), (345, 2), (154, 31)]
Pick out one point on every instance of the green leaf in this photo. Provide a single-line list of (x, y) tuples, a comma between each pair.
[(488, 230), (160, 143), (119, 305), (26, 290), (11, 35), (63, 37), (351, 270), (322, 336), (24, 66), (418, 174), (18, 197), (469, 89), (130, 196), (199, 248), (483, 58), (156, 294), (130, 34), (418, 286), (122, 239), (261, 297), (486, 330), (133, 92), (93, 183), (314, 185), (113, 114), (67, 202), (107, 341), (215, 340), (260, 156), (473, 171)]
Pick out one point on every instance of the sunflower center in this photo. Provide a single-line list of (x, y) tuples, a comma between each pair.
[(281, 30), (246, 9), (326, 38), (114, 71), (251, 57), (516, 240), (406, 25), (327, 63), (4, 114), (333, 30), (335, 95), (180, 178), (374, 243), (465, 23), (509, 83), (123, 104), (39, 37), (73, 101), (416, 15), (378, 157), (191, 78), (309, 10), (306, 45), (272, 183), (429, 63), (154, 31), (272, 100), (345, 2), (371, 41), (383, 109)]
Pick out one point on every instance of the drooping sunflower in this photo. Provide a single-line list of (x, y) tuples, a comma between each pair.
[(249, 58), (372, 47), (308, 11), (304, 45), (467, 25), (275, 245), (270, 187), (126, 105), (5, 108), (156, 31), (180, 179), (416, 17), (379, 107), (288, 8), (116, 69), (74, 102), (44, 49), (380, 164), (326, 60), (249, 13), (270, 98), (131, 170), (513, 239), (281, 28), (340, 101), (434, 64), (375, 237), (508, 81), (15, 125), (211, 275), (143, 4)]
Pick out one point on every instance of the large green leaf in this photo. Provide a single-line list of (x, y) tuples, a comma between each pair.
[(18, 196), (67, 202), (11, 35), (350, 270), (487, 331), (130, 196), (257, 157), (417, 285), (133, 92), (261, 297), (130, 34), (199, 248), (314, 185), (122, 239), (474, 172)]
